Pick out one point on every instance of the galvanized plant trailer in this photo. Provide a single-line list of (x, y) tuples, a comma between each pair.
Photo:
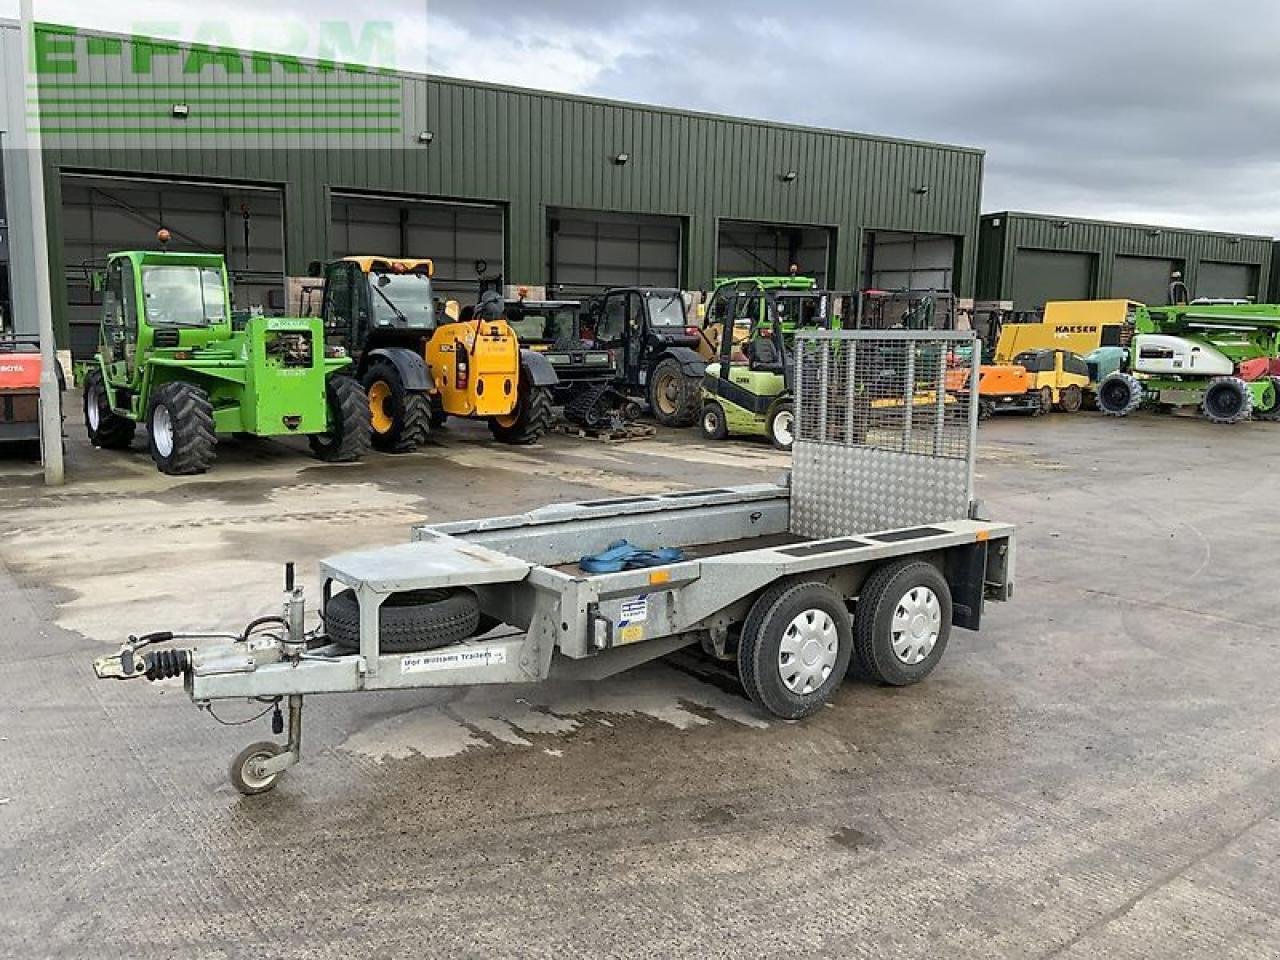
[(869, 552)]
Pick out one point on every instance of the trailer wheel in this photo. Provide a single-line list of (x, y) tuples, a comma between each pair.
[(795, 648), (106, 429), (407, 622), (673, 395), (902, 622), (400, 418), (781, 425), (180, 422), (1272, 412), (1119, 394), (713, 424), (347, 435), (1227, 400), (1070, 399), (245, 775)]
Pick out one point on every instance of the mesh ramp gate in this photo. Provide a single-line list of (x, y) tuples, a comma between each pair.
[(886, 430)]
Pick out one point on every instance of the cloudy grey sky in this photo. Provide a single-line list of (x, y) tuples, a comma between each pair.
[(1165, 112)]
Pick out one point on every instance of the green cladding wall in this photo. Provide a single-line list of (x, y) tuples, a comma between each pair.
[(1003, 236), (311, 128)]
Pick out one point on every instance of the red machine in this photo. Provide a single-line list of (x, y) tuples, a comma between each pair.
[(20, 389)]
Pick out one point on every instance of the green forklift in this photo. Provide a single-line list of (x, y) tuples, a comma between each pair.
[(170, 357), (748, 390)]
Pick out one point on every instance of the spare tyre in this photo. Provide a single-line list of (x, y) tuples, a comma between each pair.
[(407, 622)]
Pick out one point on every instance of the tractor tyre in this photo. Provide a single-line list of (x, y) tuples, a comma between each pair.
[(1272, 412), (106, 429), (781, 425), (407, 622), (713, 425), (674, 396), (180, 424), (1119, 394), (400, 419), (531, 418), (1227, 400), (1070, 399), (347, 437)]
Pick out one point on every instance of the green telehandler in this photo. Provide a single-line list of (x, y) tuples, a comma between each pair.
[(1223, 358), (170, 357)]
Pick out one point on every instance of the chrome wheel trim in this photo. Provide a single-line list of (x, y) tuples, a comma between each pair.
[(807, 653), (917, 624)]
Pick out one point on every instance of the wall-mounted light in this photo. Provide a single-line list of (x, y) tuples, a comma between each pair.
[(1235, 240), (1062, 224), (1154, 233), (181, 111), (788, 177), (425, 137), (621, 158), (920, 190)]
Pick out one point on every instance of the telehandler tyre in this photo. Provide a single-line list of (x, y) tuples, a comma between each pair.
[(1227, 400), (1119, 394), (400, 418), (407, 622), (347, 437), (180, 423), (106, 429), (674, 396), (531, 418)]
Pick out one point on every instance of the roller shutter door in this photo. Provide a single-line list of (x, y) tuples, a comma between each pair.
[(747, 249), (464, 241), (103, 214), (1226, 280), (909, 261), (1145, 279), (1043, 275), (588, 250)]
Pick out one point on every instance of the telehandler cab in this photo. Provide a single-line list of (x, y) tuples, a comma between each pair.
[(169, 357), (420, 365)]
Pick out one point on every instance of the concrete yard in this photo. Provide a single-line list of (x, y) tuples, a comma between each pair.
[(1095, 774)]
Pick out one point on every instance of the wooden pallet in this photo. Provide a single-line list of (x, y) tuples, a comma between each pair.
[(631, 431)]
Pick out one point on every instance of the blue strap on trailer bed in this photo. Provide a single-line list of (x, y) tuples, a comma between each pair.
[(623, 555)]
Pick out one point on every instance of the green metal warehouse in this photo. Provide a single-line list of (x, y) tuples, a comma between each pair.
[(278, 162), (1032, 258)]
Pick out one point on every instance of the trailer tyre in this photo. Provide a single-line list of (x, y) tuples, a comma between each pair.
[(713, 424), (400, 419), (1227, 400), (795, 648), (106, 429), (673, 394), (407, 622), (1119, 394), (1272, 412), (902, 622), (245, 775), (347, 436), (180, 423)]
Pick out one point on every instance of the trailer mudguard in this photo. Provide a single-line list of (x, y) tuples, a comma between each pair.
[(537, 369), (411, 366), (690, 360)]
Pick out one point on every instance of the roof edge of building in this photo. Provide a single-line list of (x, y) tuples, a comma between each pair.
[(1125, 223)]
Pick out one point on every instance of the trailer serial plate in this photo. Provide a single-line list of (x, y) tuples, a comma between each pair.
[(427, 662)]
